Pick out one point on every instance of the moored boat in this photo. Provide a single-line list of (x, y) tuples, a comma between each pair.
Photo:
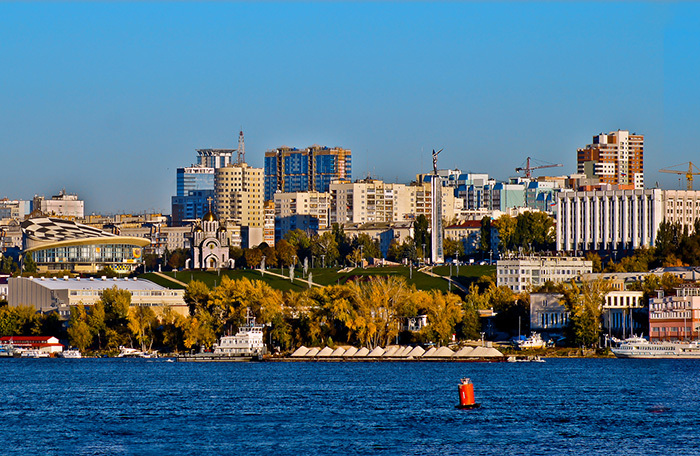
[(641, 348), (247, 344), (533, 342), (71, 353)]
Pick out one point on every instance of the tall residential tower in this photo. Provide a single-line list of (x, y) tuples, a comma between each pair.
[(615, 158), (299, 170)]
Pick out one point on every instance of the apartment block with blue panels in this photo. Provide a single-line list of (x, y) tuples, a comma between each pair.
[(299, 170)]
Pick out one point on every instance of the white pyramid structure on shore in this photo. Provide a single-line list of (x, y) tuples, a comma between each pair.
[(326, 352), (361, 353), (300, 352), (391, 351), (431, 352), (465, 352), (403, 353), (416, 352), (350, 352), (376, 353), (443, 352), (312, 352), (338, 352)]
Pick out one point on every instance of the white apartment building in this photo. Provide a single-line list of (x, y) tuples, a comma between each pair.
[(608, 219), (62, 205), (372, 201), (682, 206), (239, 194), (519, 273), (315, 204)]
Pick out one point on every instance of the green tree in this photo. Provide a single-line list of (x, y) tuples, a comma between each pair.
[(584, 303), (285, 253), (197, 296), (78, 330), (485, 237), (453, 248), (534, 231), (116, 303), (470, 327), (444, 313), (96, 320), (29, 264), (421, 236), (301, 242), (253, 257), (327, 246), (597, 262), (341, 240), (505, 226), (142, 319)]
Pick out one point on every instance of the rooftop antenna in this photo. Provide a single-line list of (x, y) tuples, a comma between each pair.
[(241, 148)]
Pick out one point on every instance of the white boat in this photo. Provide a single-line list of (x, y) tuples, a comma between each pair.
[(72, 353), (126, 352), (638, 347), (34, 353), (9, 351), (247, 342), (533, 342)]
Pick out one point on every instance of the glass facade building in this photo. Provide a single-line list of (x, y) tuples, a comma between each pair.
[(299, 170)]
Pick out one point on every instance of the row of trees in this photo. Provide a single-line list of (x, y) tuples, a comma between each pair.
[(531, 231), (367, 313)]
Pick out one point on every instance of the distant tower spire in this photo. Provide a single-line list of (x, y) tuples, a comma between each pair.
[(241, 148)]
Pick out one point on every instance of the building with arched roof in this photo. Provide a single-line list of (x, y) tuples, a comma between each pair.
[(63, 245)]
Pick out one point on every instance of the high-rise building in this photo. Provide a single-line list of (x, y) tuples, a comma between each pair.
[(239, 194), (194, 178), (300, 170), (195, 185), (215, 158), (615, 158)]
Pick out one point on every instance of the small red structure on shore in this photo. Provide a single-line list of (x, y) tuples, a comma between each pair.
[(466, 395)]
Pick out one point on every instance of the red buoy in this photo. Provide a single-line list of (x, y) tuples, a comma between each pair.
[(466, 395)]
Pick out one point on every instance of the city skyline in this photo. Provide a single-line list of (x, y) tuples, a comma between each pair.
[(108, 100)]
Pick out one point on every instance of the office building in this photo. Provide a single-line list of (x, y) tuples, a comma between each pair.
[(615, 158), (290, 170), (608, 219)]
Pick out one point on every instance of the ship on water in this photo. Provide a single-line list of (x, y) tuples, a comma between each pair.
[(638, 347), (246, 345)]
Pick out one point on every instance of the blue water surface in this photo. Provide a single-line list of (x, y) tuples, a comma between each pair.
[(149, 407)]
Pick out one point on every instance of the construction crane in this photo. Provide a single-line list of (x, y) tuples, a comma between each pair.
[(529, 169), (688, 174)]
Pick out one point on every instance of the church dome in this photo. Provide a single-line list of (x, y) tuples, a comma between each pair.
[(209, 217), (198, 229)]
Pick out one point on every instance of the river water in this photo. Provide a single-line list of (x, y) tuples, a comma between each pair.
[(154, 407)]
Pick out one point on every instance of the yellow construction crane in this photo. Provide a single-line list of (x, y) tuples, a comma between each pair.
[(688, 174)]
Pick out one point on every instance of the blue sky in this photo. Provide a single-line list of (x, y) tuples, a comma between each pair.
[(108, 99)]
